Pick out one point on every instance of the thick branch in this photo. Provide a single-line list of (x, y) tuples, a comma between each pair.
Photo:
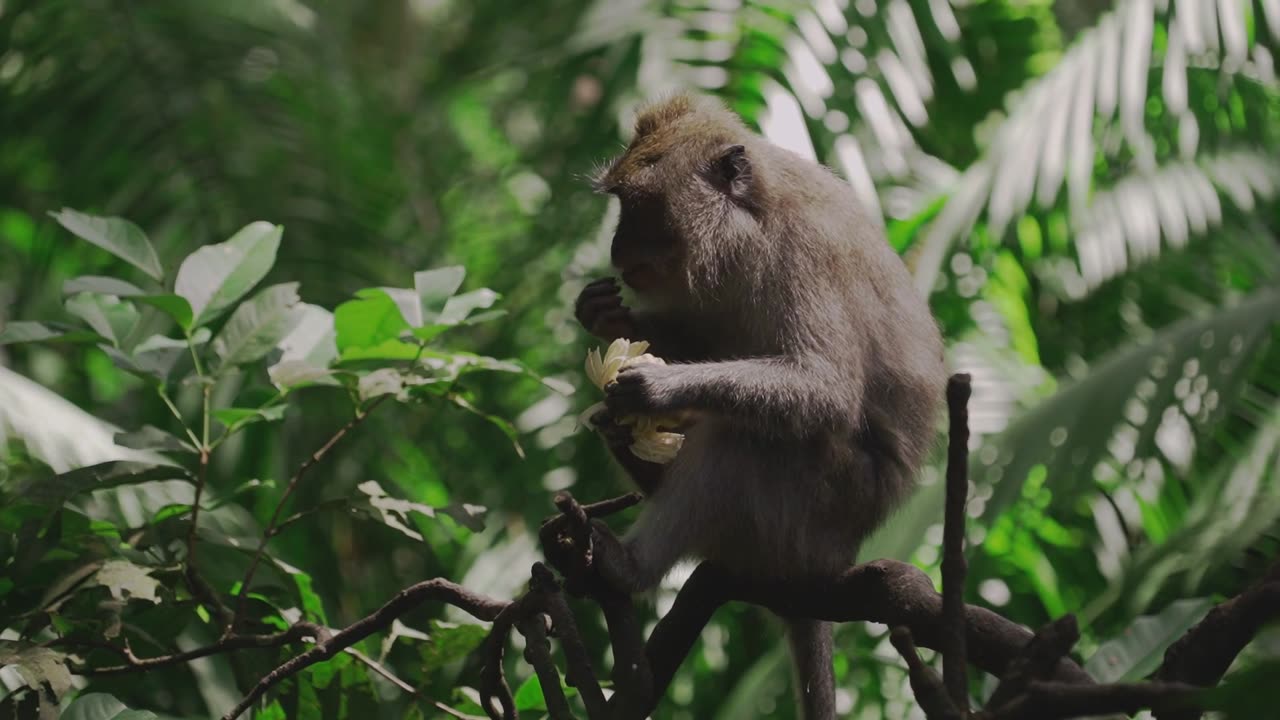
[(930, 691), (479, 606), (883, 591), (1059, 701), (537, 652), (954, 567), (1037, 660)]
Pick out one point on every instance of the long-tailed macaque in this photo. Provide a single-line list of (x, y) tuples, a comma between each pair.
[(810, 367)]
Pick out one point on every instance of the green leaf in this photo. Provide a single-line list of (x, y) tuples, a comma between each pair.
[(107, 315), (25, 331), (155, 357), (151, 437), (101, 706), (215, 276), (58, 488), (529, 695), (1140, 649), (459, 307), (370, 327), (258, 325), (434, 288), (39, 667), (127, 581), (101, 285), (394, 512), (449, 642), (175, 307), (115, 235), (234, 416)]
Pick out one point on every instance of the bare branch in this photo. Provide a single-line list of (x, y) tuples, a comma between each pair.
[(537, 652), (133, 664), (954, 567), (1059, 701), (579, 673), (440, 590), (929, 689), (1037, 660), (270, 530)]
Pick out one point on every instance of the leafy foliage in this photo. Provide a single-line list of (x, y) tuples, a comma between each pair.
[(1084, 189)]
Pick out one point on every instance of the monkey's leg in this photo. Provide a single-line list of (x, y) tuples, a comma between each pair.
[(813, 675)]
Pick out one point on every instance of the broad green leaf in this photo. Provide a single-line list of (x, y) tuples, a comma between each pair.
[(313, 339), (216, 276), (151, 437), (370, 326), (58, 488), (25, 331), (247, 416), (434, 288), (115, 235), (155, 357), (449, 642), (110, 317), (289, 374), (529, 695), (175, 307), (127, 581), (101, 285), (1137, 652), (39, 667), (101, 706), (258, 325), (459, 307)]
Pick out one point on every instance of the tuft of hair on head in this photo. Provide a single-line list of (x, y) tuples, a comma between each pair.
[(669, 109)]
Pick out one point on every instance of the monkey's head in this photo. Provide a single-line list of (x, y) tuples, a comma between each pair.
[(690, 195)]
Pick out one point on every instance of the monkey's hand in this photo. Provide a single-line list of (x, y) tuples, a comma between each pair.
[(600, 311), (648, 389), (616, 435)]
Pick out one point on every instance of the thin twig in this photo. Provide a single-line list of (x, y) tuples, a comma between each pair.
[(270, 530), (579, 673), (954, 567), (929, 689), (295, 633), (537, 652), (439, 589)]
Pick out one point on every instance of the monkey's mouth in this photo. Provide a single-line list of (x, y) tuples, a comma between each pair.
[(641, 277)]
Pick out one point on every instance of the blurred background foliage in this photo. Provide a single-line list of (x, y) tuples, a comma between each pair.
[(1086, 190)]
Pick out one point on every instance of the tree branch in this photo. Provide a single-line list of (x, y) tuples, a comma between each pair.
[(954, 567), (438, 589)]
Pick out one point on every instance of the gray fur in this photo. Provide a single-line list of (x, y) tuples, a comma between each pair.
[(810, 366)]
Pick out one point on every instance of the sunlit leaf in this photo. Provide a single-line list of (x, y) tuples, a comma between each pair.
[(371, 326), (1140, 649), (101, 285), (40, 667), (245, 416), (150, 437), (172, 305), (127, 581), (395, 512), (108, 316), (258, 325), (101, 706), (216, 276), (435, 287), (25, 331), (118, 237)]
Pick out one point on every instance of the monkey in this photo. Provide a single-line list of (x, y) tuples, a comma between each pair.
[(811, 369)]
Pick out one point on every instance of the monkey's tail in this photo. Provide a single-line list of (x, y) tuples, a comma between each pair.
[(813, 674)]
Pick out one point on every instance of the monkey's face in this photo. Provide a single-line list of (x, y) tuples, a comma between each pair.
[(683, 195)]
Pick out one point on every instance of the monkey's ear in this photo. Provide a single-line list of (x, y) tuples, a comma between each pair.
[(732, 170)]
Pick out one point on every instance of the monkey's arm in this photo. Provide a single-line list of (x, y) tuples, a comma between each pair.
[(772, 393)]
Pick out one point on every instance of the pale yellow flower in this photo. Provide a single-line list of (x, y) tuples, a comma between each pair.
[(649, 441)]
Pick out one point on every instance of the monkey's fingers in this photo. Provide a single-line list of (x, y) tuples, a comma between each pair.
[(614, 433)]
